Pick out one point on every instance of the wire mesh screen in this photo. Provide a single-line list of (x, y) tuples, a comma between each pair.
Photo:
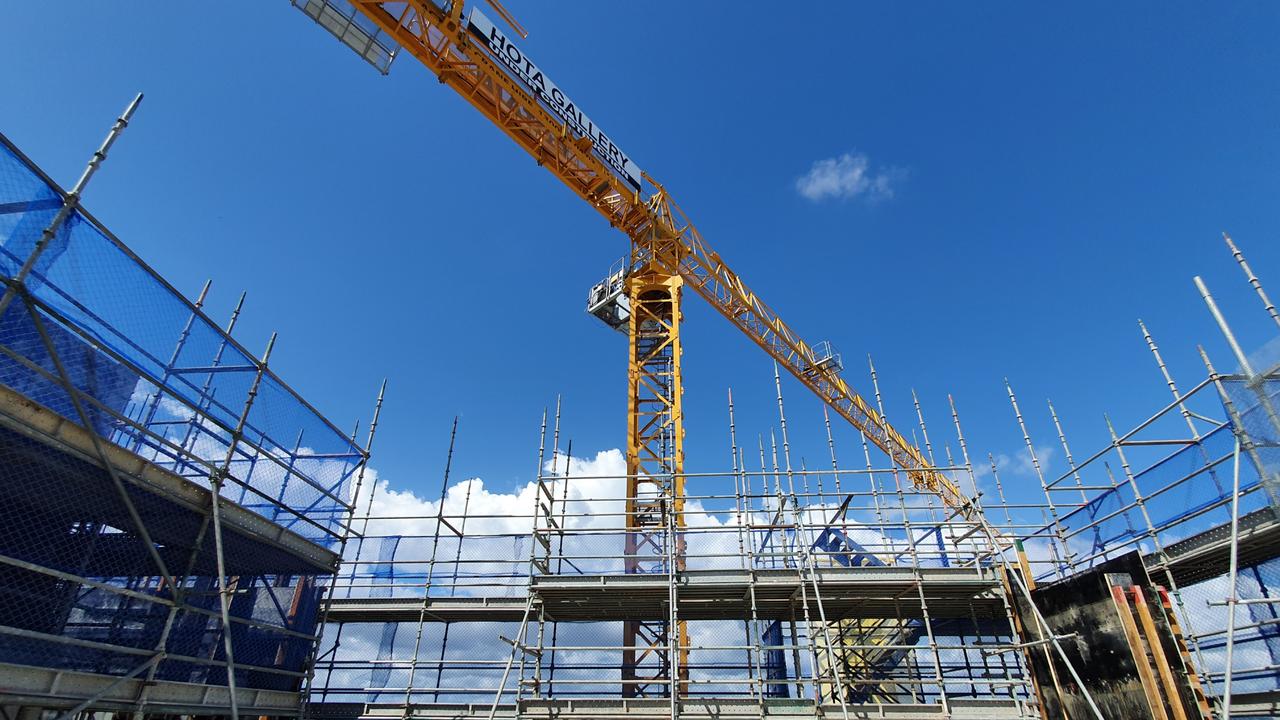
[(1177, 496), (1256, 402), (1256, 632), (354, 30)]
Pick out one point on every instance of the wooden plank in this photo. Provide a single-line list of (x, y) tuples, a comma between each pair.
[(1193, 679), (1020, 631), (1149, 686), (1157, 654)]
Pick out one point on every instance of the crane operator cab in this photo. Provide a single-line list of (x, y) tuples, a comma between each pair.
[(825, 357), (608, 298)]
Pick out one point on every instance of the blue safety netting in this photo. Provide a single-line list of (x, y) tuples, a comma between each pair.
[(100, 574), (1256, 403), (1255, 632), (161, 378), (1183, 493)]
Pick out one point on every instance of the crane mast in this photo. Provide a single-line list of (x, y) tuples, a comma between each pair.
[(667, 254)]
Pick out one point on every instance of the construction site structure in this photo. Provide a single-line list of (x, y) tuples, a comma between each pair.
[(848, 649), (171, 512), (844, 591), (185, 535), (471, 54)]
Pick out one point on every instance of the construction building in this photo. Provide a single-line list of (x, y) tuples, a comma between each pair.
[(125, 413), (185, 535)]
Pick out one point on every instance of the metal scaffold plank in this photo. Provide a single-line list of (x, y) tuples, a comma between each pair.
[(70, 442), (693, 708), (704, 595), (52, 688)]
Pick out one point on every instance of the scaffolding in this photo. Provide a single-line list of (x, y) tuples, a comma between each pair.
[(180, 536), (841, 591), (1191, 494), (171, 511), (867, 599), (845, 591)]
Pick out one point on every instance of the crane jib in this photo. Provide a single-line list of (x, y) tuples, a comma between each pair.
[(505, 52)]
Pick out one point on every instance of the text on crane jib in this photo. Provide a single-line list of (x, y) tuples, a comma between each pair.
[(552, 96)]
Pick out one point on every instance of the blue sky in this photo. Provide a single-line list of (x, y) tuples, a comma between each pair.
[(1035, 181)]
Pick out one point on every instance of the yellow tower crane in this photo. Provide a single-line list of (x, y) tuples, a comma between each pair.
[(474, 56)]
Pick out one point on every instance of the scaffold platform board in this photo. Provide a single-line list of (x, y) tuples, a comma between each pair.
[(846, 592), (38, 442), (659, 708), (63, 689)]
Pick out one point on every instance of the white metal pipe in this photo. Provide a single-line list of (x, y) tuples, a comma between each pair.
[(1232, 572)]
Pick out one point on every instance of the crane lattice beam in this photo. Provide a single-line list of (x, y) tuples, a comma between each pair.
[(475, 58), (707, 274), (440, 40)]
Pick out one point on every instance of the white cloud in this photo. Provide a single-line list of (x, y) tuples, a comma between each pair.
[(494, 561), (1019, 464), (497, 528), (498, 564), (1044, 454), (1266, 357), (846, 177)]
